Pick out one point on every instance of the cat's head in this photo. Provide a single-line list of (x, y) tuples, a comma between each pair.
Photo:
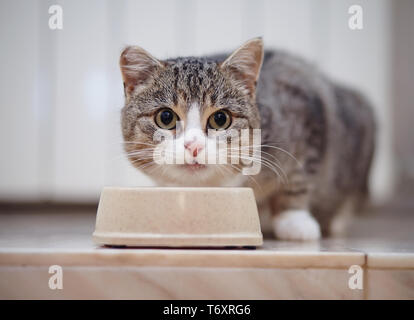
[(181, 107)]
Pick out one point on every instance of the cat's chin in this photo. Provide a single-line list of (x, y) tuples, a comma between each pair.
[(192, 175)]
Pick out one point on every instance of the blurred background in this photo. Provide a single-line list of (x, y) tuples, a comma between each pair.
[(61, 90)]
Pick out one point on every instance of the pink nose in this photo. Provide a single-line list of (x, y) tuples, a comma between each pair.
[(193, 147)]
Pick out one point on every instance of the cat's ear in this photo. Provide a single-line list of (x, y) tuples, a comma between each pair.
[(244, 64), (137, 68)]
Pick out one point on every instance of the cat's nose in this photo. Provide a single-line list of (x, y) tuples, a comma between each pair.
[(193, 147)]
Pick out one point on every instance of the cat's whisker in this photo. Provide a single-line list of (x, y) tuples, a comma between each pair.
[(270, 146), (248, 176), (139, 143), (137, 154), (122, 156), (284, 151), (145, 165), (144, 151), (153, 152), (276, 164), (141, 160), (269, 164), (272, 168), (140, 155), (261, 151)]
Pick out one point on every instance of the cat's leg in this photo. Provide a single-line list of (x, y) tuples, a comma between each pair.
[(291, 218)]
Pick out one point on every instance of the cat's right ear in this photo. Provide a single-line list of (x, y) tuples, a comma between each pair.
[(245, 63), (137, 68)]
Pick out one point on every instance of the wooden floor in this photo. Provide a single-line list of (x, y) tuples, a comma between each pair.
[(380, 247)]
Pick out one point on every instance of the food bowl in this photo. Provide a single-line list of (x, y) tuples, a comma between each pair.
[(177, 217)]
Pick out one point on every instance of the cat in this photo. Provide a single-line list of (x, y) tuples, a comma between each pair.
[(317, 137)]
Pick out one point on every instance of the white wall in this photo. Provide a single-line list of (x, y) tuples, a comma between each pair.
[(19, 114), (61, 91)]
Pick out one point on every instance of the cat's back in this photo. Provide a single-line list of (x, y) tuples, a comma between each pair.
[(333, 121)]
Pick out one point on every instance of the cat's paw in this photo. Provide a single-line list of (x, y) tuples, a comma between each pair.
[(296, 225)]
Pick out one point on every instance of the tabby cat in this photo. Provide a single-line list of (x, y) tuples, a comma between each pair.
[(317, 137)]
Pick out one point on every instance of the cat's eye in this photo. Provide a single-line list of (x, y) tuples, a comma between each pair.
[(219, 120), (166, 119)]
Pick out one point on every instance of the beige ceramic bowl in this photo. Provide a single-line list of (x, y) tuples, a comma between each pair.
[(178, 217)]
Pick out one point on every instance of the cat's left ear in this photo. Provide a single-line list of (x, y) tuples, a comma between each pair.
[(138, 67), (244, 64)]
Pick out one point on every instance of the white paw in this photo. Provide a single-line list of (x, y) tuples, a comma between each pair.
[(296, 225)]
